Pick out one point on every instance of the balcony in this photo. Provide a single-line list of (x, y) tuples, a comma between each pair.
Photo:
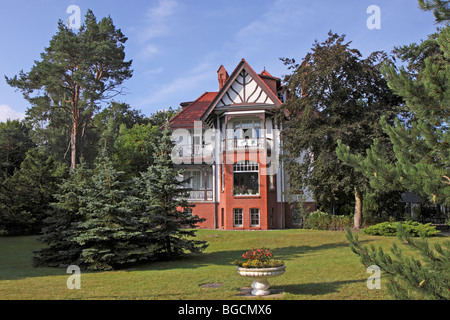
[(245, 144)]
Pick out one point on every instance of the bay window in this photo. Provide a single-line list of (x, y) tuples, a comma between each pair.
[(246, 178)]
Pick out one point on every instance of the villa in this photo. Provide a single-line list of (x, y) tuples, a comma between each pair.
[(228, 142)]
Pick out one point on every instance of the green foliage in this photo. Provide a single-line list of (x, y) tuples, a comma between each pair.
[(407, 277), (336, 94), (63, 214), (76, 71), (109, 233), (319, 220), (15, 141), (165, 199), (26, 195), (441, 9), (421, 143), (413, 228), (134, 148)]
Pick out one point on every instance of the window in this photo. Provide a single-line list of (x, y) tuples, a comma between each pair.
[(198, 180), (297, 216), (188, 211), (246, 178), (254, 217), (247, 129), (237, 218)]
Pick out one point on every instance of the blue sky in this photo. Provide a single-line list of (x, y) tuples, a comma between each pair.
[(178, 45)]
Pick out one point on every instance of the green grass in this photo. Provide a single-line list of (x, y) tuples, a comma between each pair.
[(319, 265)]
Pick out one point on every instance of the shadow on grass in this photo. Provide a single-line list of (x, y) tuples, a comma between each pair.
[(226, 257), (15, 261), (315, 289)]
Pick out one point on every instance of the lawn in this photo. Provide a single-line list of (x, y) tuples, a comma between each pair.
[(320, 265)]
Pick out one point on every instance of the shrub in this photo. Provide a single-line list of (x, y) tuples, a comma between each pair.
[(413, 228), (319, 220)]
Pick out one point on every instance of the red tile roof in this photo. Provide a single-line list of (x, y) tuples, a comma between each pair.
[(265, 73), (193, 112)]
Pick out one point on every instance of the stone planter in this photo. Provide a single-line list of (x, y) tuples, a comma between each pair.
[(260, 284)]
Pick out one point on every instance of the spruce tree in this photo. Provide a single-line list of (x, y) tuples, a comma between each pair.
[(58, 231), (109, 232), (165, 195)]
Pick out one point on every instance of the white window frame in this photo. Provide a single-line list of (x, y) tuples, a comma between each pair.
[(246, 166), (238, 215), (253, 212)]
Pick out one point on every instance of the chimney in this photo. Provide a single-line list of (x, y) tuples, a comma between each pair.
[(222, 76)]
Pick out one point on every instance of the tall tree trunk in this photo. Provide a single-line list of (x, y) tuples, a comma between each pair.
[(358, 209), (73, 138)]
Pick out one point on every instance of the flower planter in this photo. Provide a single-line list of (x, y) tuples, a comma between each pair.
[(260, 284)]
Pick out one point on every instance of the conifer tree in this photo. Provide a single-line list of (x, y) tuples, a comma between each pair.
[(165, 196), (57, 233), (76, 71), (422, 145), (108, 233), (26, 195), (405, 276)]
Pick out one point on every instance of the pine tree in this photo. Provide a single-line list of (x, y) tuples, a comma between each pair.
[(407, 277), (109, 232), (165, 196), (422, 145), (77, 70), (441, 9), (57, 233)]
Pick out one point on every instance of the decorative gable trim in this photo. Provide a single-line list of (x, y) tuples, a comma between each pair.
[(244, 87), (244, 90)]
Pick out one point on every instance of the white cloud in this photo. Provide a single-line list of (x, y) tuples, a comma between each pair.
[(283, 19), (6, 112), (148, 51), (185, 86), (157, 24)]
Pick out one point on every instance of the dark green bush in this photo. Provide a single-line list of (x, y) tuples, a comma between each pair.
[(413, 228), (319, 220)]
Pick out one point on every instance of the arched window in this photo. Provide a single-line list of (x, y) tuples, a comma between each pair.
[(246, 178)]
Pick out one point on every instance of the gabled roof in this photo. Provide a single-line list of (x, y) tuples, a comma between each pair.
[(242, 66), (193, 112), (200, 109)]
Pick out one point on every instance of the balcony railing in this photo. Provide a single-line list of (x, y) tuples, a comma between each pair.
[(245, 144), (207, 150), (201, 195)]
